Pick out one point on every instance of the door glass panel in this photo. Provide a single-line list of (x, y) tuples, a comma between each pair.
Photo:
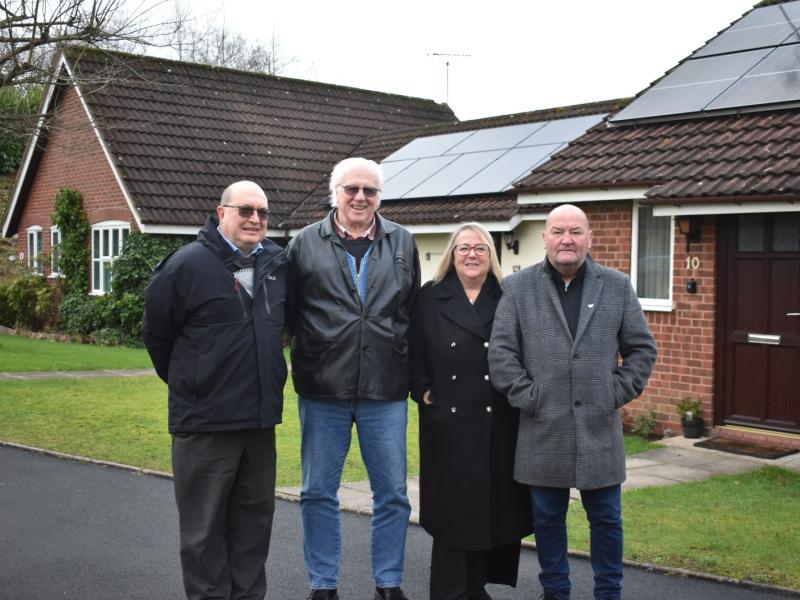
[(786, 233), (751, 233)]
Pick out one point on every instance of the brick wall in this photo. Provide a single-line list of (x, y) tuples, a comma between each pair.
[(685, 336), (73, 157)]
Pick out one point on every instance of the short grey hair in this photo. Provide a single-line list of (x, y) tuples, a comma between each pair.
[(344, 167)]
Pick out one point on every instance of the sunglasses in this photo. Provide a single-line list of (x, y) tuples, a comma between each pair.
[(465, 249), (352, 190), (246, 211)]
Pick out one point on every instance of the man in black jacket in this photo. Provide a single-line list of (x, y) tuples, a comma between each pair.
[(353, 278), (213, 325)]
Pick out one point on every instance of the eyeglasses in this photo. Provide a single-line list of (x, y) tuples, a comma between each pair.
[(465, 249), (246, 211), (352, 190)]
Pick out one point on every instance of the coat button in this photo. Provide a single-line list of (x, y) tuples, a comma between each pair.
[(488, 409), (578, 403), (485, 344), (486, 378), (452, 344), (453, 378), (452, 409)]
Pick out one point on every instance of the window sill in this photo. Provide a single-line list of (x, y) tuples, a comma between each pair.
[(653, 305)]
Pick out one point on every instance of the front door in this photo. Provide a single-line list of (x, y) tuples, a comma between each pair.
[(758, 321)]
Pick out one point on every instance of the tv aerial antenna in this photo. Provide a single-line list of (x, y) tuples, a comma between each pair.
[(447, 56)]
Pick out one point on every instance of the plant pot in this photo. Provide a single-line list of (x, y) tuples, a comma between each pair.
[(693, 428)]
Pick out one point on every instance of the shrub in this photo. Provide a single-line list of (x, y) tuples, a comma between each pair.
[(644, 425), (130, 274), (23, 296), (81, 314), (8, 317)]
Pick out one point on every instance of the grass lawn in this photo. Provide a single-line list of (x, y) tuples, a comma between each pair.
[(743, 526), (25, 354), (124, 419)]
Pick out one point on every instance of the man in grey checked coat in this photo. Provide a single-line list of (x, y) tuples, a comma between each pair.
[(560, 329)]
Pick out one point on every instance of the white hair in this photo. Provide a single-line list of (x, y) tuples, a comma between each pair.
[(344, 167)]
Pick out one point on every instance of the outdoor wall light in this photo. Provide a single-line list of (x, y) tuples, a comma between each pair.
[(690, 228), (511, 242)]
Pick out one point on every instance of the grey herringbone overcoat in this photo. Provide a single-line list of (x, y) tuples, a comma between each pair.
[(569, 390)]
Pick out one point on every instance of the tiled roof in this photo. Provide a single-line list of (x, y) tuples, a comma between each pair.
[(437, 210), (747, 156), (180, 132)]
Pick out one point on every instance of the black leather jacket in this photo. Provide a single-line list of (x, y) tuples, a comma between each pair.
[(342, 348), (219, 350)]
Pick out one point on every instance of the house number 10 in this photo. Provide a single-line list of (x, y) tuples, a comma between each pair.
[(692, 262)]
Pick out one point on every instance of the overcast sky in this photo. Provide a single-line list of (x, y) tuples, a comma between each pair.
[(522, 54)]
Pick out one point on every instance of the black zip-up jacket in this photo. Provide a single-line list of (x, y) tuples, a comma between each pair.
[(218, 349), (343, 348)]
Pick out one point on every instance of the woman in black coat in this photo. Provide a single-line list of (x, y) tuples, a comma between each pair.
[(469, 502)]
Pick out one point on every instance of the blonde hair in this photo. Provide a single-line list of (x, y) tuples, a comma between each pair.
[(447, 258)]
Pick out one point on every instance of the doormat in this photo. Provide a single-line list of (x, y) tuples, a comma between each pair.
[(745, 448)]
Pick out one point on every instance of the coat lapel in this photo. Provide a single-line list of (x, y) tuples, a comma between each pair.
[(552, 296), (454, 306), (592, 287)]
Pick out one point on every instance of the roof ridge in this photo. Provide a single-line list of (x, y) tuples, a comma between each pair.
[(82, 50)]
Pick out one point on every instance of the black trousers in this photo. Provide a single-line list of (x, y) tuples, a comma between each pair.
[(462, 574), (225, 492)]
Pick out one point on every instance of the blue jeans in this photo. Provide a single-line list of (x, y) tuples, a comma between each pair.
[(604, 511), (326, 427)]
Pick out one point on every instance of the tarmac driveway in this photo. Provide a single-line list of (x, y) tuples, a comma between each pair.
[(76, 531)]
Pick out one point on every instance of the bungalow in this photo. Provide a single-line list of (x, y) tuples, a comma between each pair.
[(151, 143), (694, 189)]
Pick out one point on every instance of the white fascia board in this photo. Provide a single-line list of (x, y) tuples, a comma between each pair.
[(509, 225), (728, 208), (103, 145), (193, 230), (540, 216), (26, 161), (582, 196)]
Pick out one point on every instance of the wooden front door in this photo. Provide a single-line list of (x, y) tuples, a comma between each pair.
[(758, 322)]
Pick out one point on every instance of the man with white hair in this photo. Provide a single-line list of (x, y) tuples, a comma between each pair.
[(213, 325), (353, 276)]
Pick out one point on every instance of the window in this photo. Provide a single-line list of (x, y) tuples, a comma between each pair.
[(55, 252), (35, 249), (653, 248), (108, 238)]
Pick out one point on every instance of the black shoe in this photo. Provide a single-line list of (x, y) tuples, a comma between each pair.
[(394, 593), (323, 595), (481, 595), (549, 596)]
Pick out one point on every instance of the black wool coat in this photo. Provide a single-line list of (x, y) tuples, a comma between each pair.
[(468, 497)]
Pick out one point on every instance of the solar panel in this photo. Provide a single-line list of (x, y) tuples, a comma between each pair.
[(510, 167), (434, 145), (754, 63), (561, 130), (390, 169), (454, 174), (496, 138), (480, 161), (776, 78), (758, 29), (413, 175)]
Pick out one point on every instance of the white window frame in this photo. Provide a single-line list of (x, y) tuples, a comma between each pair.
[(55, 245), (654, 304), (35, 243), (103, 257)]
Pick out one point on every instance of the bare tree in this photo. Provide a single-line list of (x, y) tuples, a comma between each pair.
[(203, 42), (31, 31)]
